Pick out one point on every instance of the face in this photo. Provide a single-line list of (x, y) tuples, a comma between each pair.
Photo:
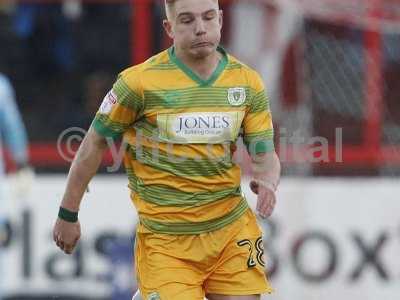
[(195, 26)]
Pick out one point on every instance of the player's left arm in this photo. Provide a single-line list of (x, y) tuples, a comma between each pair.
[(259, 139), (266, 169)]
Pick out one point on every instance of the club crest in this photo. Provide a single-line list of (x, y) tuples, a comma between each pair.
[(172, 98), (236, 96), (153, 296)]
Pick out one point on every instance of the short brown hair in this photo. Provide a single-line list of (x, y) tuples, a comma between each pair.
[(169, 4)]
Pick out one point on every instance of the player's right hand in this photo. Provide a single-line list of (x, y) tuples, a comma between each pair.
[(66, 235)]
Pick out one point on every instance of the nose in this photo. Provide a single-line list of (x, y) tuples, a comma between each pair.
[(200, 27)]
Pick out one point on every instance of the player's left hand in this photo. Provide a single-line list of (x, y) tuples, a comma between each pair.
[(266, 198)]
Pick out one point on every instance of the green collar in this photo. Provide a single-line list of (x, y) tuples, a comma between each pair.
[(189, 72)]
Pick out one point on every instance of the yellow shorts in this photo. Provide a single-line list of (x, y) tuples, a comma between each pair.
[(228, 261)]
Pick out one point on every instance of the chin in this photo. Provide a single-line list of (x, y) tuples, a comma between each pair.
[(202, 52)]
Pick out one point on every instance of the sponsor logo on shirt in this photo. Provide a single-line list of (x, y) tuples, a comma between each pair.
[(108, 102), (200, 127)]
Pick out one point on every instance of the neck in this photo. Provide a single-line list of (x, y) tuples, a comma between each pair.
[(204, 67)]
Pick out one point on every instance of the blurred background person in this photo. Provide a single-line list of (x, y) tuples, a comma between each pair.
[(14, 138)]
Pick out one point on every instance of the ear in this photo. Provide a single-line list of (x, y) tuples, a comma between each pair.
[(168, 28), (221, 18)]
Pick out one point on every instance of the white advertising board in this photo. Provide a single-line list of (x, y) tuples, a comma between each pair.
[(328, 239)]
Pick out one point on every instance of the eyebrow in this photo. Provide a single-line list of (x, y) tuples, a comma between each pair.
[(185, 14)]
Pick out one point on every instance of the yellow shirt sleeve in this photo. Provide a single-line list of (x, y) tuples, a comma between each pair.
[(258, 131), (121, 106)]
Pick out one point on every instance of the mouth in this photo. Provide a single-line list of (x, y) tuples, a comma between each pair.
[(201, 44)]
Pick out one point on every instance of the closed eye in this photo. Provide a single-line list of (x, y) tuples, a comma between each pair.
[(209, 15), (186, 21)]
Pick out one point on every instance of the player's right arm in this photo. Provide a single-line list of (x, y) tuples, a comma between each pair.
[(117, 114), (84, 167)]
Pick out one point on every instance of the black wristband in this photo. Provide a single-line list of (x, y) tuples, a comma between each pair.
[(67, 215)]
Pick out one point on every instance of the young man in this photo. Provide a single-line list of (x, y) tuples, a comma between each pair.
[(180, 113)]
